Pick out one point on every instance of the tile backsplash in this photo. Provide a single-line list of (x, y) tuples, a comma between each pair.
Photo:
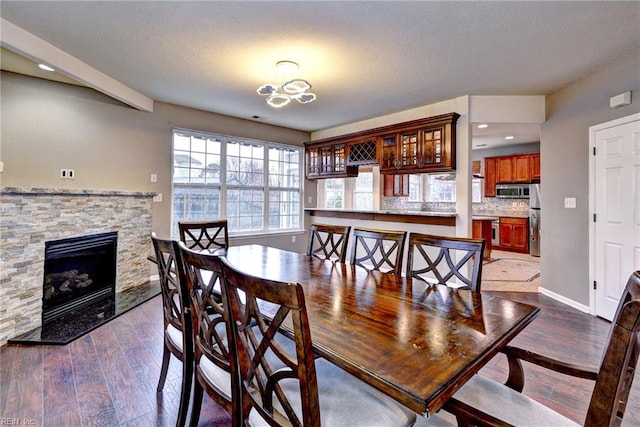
[(489, 206)]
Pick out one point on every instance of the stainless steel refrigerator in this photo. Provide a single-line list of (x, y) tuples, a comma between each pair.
[(534, 219)]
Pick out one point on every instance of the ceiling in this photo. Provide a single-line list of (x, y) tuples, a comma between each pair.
[(364, 59)]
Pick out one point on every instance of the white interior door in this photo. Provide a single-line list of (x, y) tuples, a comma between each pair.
[(617, 206)]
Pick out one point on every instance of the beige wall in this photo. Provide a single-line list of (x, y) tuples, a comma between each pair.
[(47, 126), (564, 151)]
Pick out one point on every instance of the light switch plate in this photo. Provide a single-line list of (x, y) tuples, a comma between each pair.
[(154, 177), (570, 202)]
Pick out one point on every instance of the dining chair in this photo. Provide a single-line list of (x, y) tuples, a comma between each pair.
[(483, 401), (305, 390), (443, 260), (200, 273), (178, 329), (328, 241), (378, 249), (200, 235)]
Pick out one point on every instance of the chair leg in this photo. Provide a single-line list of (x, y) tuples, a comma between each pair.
[(198, 393), (185, 393), (166, 356)]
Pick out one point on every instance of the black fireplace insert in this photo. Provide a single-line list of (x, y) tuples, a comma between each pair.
[(77, 272)]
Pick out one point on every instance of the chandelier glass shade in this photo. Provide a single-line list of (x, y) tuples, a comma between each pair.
[(280, 95)]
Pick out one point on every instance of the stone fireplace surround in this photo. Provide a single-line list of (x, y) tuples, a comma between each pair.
[(31, 216)]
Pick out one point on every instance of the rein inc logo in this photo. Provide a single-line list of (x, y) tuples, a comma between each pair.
[(17, 422)]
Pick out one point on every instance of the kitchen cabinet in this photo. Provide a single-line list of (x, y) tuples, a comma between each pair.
[(423, 146), (396, 185), (490, 176), (534, 167), (328, 161), (519, 168), (514, 234), (481, 229), (513, 169)]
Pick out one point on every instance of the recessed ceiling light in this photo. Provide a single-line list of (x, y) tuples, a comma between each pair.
[(509, 137), (483, 125), (45, 67)]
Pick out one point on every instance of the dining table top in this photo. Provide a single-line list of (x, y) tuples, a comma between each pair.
[(416, 342)]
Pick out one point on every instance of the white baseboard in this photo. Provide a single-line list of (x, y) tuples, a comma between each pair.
[(565, 300), (154, 277)]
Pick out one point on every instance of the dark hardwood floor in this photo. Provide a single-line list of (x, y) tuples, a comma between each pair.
[(109, 376)]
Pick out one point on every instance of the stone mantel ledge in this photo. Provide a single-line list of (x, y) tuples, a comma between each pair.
[(73, 192)]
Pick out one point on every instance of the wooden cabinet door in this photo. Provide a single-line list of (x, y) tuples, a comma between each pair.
[(388, 153), (339, 158), (313, 162), (490, 165), (514, 234), (408, 150), (504, 170), (534, 167), (432, 150), (521, 168), (396, 185)]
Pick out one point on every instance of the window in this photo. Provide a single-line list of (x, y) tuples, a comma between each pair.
[(442, 188), (254, 184), (348, 193), (415, 188), (334, 193), (363, 191)]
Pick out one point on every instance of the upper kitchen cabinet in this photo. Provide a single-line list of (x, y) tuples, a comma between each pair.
[(519, 168), (427, 145), (423, 145), (490, 172), (534, 167), (328, 161)]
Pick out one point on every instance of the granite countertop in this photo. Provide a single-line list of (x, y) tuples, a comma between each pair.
[(391, 212)]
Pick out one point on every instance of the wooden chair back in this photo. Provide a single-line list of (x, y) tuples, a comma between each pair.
[(200, 235), (619, 361), (328, 241), (253, 335), (378, 249), (176, 314), (201, 273), (440, 260)]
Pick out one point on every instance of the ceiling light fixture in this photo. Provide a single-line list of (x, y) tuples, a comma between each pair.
[(45, 67), (509, 137), (279, 96), (483, 126)]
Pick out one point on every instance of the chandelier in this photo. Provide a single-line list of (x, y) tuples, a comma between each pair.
[(279, 96)]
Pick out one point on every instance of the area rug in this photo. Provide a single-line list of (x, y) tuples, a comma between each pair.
[(510, 270), (510, 274)]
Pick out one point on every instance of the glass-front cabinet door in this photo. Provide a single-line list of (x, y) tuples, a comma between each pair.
[(339, 157), (389, 153), (409, 150), (431, 153)]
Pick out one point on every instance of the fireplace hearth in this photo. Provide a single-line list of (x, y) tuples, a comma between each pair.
[(79, 289)]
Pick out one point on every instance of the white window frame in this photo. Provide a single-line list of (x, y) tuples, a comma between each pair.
[(349, 190), (294, 189)]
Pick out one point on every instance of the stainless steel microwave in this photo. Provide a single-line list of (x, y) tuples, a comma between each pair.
[(512, 191)]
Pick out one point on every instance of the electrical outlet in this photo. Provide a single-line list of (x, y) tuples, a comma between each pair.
[(63, 173), (154, 177), (157, 197), (293, 239), (71, 173), (310, 200), (1, 167)]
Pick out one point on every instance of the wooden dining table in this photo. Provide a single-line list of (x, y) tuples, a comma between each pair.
[(415, 342)]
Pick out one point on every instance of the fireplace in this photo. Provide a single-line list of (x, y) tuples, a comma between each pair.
[(77, 272)]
